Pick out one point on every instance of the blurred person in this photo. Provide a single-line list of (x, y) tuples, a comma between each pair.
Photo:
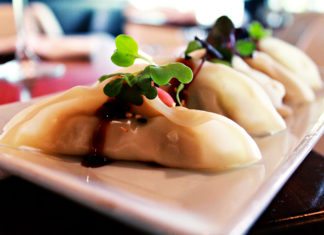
[(45, 36)]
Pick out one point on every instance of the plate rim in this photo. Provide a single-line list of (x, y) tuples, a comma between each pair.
[(278, 178)]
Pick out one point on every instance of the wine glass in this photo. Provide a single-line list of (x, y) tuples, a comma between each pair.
[(27, 66)]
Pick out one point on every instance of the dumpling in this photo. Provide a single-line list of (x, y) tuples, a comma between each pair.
[(297, 90), (274, 89), (221, 89), (176, 137), (293, 59)]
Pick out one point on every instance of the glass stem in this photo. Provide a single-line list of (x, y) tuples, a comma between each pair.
[(25, 90), (19, 12)]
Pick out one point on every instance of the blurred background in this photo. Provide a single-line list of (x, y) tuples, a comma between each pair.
[(83, 30), (157, 24)]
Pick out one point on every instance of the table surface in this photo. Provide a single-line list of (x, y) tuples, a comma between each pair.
[(297, 209)]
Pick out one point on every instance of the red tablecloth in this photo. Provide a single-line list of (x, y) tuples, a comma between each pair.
[(77, 73)]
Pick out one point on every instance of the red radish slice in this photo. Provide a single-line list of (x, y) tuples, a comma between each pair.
[(165, 97)]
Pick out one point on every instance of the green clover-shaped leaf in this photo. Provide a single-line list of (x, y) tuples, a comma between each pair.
[(193, 46), (162, 75), (257, 31), (123, 60), (126, 51), (126, 44), (132, 95), (114, 87), (106, 76), (245, 47), (151, 92), (145, 84)]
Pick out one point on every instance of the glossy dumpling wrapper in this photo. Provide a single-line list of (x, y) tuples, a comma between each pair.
[(297, 90), (294, 59), (45, 125), (274, 89), (221, 89), (174, 137)]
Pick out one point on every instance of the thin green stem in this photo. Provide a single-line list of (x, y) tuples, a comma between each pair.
[(179, 89), (146, 58)]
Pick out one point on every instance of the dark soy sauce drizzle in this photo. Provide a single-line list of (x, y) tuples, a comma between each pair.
[(111, 110)]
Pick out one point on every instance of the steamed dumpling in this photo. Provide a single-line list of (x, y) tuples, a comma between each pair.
[(297, 90), (293, 59), (221, 89), (274, 89), (175, 137)]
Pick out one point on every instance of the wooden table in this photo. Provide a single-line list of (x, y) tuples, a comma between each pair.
[(28, 209)]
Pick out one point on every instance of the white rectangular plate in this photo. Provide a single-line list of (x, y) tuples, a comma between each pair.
[(173, 200)]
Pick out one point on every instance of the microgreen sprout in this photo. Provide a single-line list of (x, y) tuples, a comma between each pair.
[(131, 87), (245, 47), (257, 31), (179, 89), (127, 51), (224, 40), (193, 46)]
